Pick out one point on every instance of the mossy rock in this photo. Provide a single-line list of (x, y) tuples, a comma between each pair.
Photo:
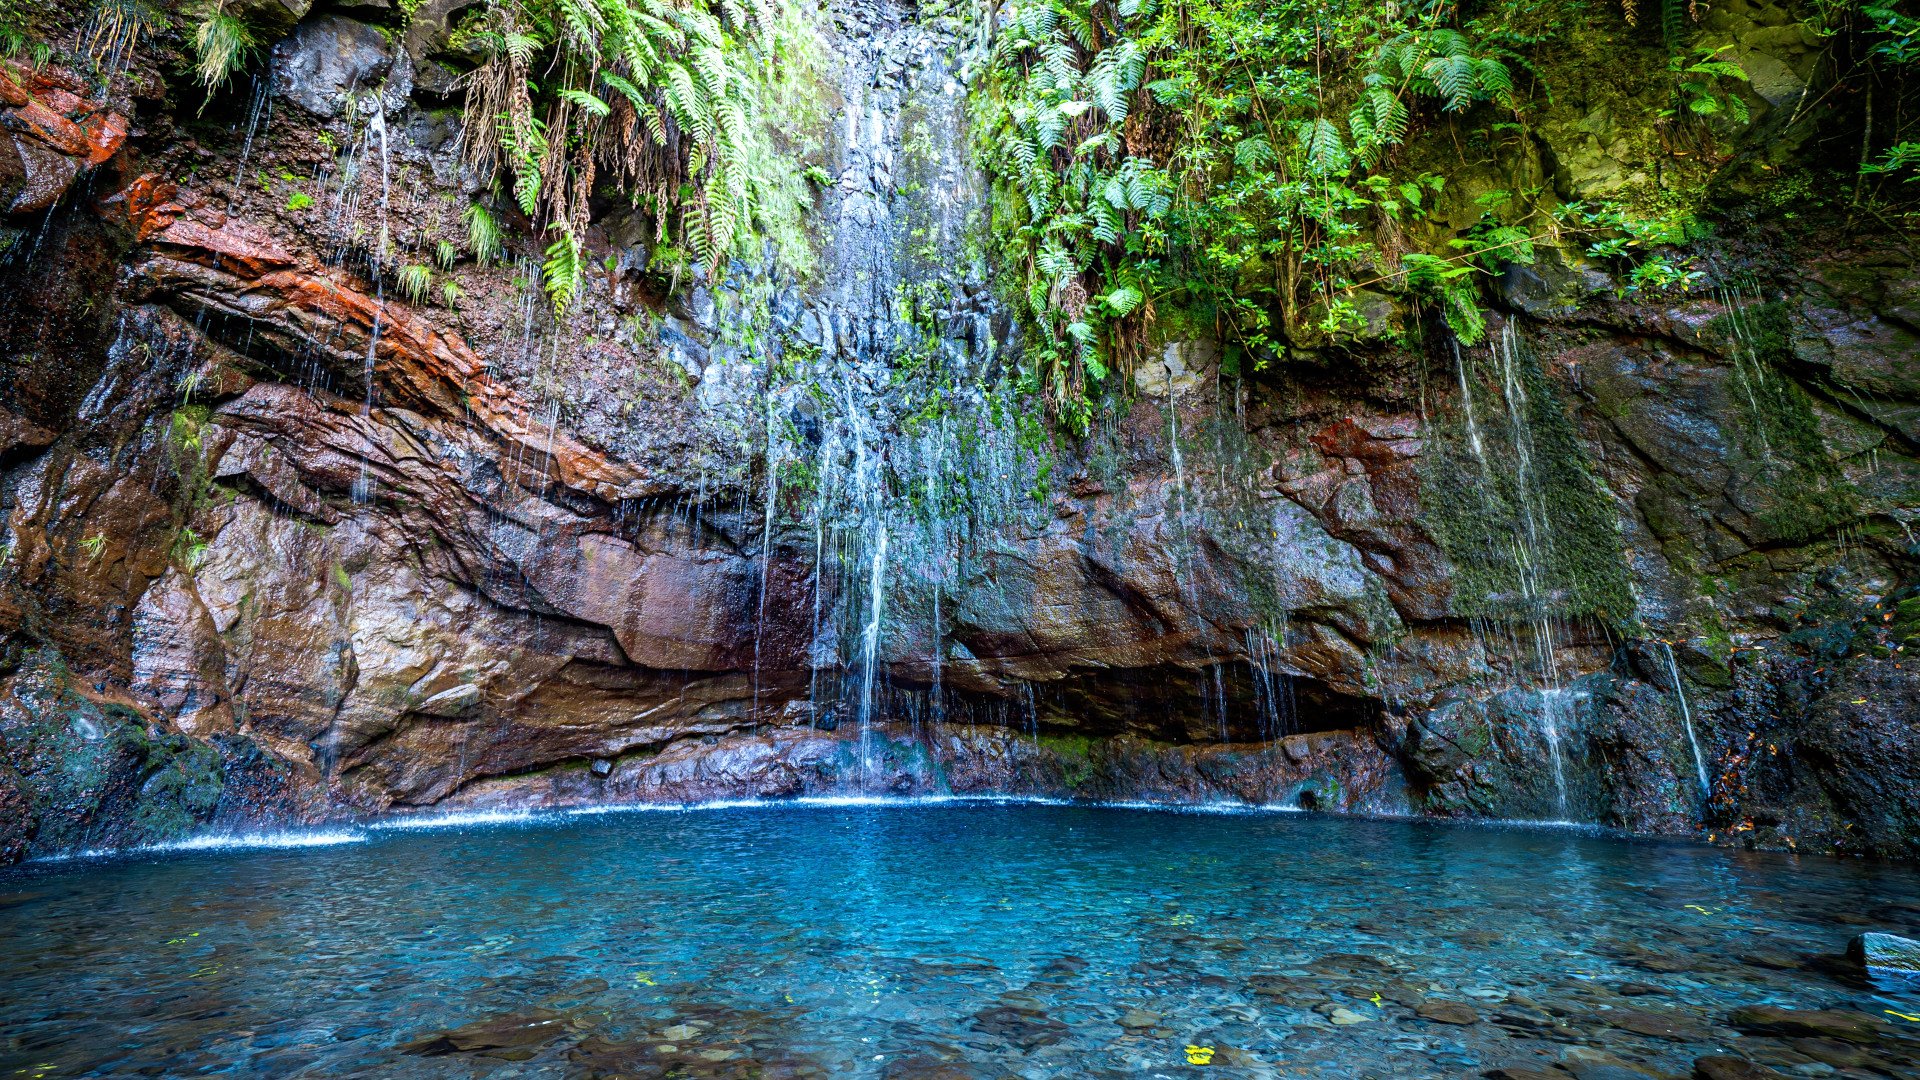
[(97, 774), (1479, 503)]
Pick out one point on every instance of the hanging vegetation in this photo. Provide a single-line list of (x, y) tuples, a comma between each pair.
[(1211, 155), (674, 106)]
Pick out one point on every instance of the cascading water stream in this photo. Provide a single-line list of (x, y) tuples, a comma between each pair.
[(895, 325), (870, 653), (1686, 718), (1528, 547), (1556, 704)]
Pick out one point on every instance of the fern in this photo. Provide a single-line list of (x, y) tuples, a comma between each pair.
[(414, 280), (1123, 300), (1253, 152), (587, 102), (564, 272), (483, 233), (1324, 150), (668, 99)]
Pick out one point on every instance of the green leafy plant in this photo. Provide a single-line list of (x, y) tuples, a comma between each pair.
[(1899, 158), (1444, 63), (564, 272), (299, 200), (1448, 283), (669, 100), (222, 45), (189, 550), (1899, 40), (1706, 85), (414, 280), (1228, 162), (483, 233)]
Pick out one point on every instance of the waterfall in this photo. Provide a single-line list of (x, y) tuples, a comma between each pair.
[(259, 114), (1474, 441), (773, 462), (1516, 494), (1686, 718), (885, 371), (1272, 684), (1556, 703), (363, 485), (870, 653)]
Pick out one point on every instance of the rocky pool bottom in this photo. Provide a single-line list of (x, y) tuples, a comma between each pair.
[(951, 941)]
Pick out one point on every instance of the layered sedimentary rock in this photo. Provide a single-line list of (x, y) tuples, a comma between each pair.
[(283, 546)]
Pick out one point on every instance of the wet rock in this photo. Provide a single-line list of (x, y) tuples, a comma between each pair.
[(1772, 958), (1446, 1012), (1341, 1016), (1663, 963), (1720, 1067), (1524, 1072), (53, 134), (1886, 955), (1832, 1053), (270, 18), (1653, 1025), (34, 174), (1181, 366), (453, 702), (510, 1038), (1636, 989), (18, 823), (1026, 1028), (1850, 1027), (925, 1067), (1605, 1068), (1523, 1020), (326, 59)]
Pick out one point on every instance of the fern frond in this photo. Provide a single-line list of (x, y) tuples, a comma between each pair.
[(586, 102), (564, 272)]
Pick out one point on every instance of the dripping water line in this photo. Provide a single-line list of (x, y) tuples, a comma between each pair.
[(1686, 718)]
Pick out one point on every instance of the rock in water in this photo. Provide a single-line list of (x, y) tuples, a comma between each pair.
[(1808, 1023), (1886, 956), (1447, 1012), (1720, 1067)]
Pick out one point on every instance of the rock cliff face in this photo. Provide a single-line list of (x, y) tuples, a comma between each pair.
[(281, 545)]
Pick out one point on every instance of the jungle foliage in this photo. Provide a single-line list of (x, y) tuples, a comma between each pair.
[(1248, 166), (676, 106), (1222, 157)]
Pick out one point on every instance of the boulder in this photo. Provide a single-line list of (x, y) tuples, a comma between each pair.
[(326, 59), (1886, 955)]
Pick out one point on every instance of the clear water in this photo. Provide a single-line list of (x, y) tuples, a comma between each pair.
[(925, 941)]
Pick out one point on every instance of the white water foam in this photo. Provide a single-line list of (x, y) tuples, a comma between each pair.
[(899, 801), (226, 842), (458, 819)]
